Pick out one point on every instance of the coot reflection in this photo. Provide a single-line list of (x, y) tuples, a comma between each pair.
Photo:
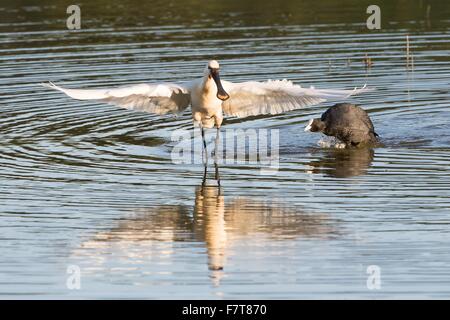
[(343, 163)]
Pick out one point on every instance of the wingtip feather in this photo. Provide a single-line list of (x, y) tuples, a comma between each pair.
[(48, 84), (357, 90)]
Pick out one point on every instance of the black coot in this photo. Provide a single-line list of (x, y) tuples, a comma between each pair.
[(347, 122)]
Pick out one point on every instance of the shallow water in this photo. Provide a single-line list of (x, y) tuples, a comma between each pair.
[(94, 186)]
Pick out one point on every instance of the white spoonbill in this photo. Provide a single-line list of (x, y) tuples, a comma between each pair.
[(210, 98)]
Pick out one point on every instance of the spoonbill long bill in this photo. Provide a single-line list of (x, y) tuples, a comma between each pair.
[(210, 98)]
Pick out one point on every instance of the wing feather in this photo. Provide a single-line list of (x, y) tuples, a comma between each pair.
[(153, 98), (274, 97)]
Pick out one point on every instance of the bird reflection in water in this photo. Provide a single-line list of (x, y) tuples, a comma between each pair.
[(343, 163), (152, 233)]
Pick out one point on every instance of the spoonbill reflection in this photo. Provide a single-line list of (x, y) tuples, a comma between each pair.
[(166, 238), (210, 98)]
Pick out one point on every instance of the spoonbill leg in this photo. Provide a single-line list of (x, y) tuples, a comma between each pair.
[(217, 176), (204, 150)]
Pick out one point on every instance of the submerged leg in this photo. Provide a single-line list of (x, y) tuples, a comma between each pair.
[(204, 175), (216, 166)]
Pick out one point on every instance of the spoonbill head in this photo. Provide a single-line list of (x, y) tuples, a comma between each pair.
[(212, 72)]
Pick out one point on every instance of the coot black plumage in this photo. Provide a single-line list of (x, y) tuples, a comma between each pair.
[(347, 122)]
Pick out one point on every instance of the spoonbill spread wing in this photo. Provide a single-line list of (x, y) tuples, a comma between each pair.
[(275, 96), (153, 98)]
